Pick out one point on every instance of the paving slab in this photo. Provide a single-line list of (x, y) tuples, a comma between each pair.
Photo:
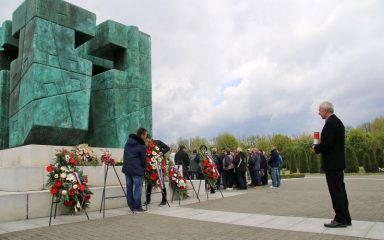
[(149, 226), (376, 232), (306, 197)]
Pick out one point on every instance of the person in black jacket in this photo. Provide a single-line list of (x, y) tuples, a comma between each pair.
[(133, 168), (240, 163), (263, 168), (163, 149), (273, 162), (333, 162), (182, 160)]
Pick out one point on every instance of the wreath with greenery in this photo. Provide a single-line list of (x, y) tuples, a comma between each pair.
[(178, 183), (155, 161), (66, 181), (208, 167)]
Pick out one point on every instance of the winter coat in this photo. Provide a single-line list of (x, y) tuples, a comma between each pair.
[(194, 163), (273, 161), (240, 162), (263, 161), (182, 157), (134, 156), (257, 161), (332, 145)]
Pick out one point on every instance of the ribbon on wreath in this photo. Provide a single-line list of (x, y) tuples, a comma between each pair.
[(160, 173)]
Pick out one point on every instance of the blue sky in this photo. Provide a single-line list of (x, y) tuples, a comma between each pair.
[(255, 66)]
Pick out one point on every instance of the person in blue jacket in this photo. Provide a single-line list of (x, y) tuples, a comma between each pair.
[(133, 168)]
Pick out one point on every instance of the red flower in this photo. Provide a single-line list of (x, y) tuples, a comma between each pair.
[(54, 191), (148, 168), (81, 188), (87, 197), (152, 145), (68, 203), (58, 183), (149, 151), (50, 168), (72, 161), (152, 176), (148, 160), (72, 192), (85, 180)]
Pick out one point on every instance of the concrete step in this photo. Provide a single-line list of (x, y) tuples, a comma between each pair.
[(35, 204)]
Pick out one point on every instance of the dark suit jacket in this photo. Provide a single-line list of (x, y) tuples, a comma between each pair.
[(181, 157), (332, 144), (162, 146)]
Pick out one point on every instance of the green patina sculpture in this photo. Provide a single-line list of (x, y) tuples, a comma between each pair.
[(64, 80)]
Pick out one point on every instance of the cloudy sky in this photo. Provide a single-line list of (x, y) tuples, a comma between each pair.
[(255, 66)]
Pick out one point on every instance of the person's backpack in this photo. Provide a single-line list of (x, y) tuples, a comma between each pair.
[(280, 161)]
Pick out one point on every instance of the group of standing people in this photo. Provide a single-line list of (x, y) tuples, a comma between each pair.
[(233, 166)]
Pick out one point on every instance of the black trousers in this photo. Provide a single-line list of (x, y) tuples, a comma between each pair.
[(149, 192), (336, 187), (264, 179)]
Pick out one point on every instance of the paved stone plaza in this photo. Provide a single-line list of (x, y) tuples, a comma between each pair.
[(295, 211)]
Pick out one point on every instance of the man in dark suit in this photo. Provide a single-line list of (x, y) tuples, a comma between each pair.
[(182, 160), (333, 163)]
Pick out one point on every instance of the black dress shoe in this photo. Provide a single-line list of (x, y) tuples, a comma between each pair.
[(334, 224)]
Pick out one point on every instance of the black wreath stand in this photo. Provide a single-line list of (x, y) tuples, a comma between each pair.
[(188, 178), (55, 201), (107, 166)]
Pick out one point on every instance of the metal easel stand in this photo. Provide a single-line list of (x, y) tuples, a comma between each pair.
[(103, 198), (55, 202), (190, 181), (206, 187)]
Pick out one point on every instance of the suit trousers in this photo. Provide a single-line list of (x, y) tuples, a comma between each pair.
[(336, 187)]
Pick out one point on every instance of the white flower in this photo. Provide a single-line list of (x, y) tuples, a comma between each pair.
[(70, 178), (157, 148), (62, 169), (75, 186), (63, 175), (153, 159), (56, 175), (64, 192), (154, 153), (67, 157)]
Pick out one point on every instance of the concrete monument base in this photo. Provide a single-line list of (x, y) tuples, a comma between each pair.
[(23, 191)]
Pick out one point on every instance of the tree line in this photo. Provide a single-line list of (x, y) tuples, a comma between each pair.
[(364, 147)]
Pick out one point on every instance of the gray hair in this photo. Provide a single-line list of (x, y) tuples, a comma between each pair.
[(327, 106)]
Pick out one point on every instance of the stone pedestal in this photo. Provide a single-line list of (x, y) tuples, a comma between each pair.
[(23, 192)]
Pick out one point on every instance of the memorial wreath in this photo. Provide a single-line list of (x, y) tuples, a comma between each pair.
[(66, 181), (178, 182), (156, 165), (210, 172)]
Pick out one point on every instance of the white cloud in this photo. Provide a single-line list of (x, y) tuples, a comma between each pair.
[(284, 56)]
